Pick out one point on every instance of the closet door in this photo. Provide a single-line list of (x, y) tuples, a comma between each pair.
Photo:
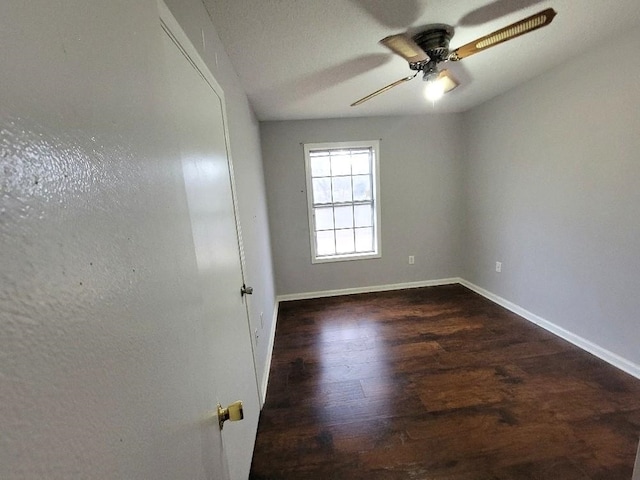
[(228, 372)]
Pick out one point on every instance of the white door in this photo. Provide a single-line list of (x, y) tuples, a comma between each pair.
[(230, 374)]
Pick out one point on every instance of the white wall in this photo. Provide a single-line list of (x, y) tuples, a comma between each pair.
[(99, 298), (553, 191), (420, 197)]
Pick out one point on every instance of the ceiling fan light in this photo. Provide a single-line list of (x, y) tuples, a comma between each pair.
[(434, 89), (448, 83)]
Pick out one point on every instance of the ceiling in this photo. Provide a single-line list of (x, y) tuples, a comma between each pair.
[(302, 59)]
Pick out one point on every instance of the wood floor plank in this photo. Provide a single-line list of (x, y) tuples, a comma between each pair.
[(437, 383)]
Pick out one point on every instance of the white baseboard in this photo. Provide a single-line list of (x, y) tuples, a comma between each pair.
[(267, 367), (636, 468), (602, 353), (375, 288)]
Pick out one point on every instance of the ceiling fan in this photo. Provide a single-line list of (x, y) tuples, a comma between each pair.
[(427, 48)]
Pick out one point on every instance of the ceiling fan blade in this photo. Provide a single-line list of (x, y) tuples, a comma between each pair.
[(405, 47), (383, 89), (526, 25), (448, 80)]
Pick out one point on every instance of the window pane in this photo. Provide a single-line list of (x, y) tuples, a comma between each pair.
[(340, 164), (325, 243), (344, 217), (324, 218), (361, 187), (360, 164), (342, 189), (363, 215), (344, 241), (320, 166), (321, 190), (364, 239)]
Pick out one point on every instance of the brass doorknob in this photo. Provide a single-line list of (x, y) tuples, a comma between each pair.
[(233, 413)]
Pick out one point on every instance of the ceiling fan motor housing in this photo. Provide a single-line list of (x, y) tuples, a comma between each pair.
[(435, 43)]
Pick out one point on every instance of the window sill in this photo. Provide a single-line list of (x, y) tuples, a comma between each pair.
[(345, 258)]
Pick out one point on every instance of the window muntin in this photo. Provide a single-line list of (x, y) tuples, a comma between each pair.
[(344, 211)]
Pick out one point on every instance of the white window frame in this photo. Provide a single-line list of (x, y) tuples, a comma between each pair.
[(374, 145)]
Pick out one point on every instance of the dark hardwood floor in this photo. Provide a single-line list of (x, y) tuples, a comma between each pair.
[(438, 383)]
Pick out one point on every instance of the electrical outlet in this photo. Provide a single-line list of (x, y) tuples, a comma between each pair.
[(498, 267), (412, 259)]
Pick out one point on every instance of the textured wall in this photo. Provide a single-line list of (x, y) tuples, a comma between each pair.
[(553, 191), (100, 309), (420, 180)]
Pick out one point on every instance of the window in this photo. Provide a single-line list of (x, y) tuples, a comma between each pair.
[(342, 193)]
